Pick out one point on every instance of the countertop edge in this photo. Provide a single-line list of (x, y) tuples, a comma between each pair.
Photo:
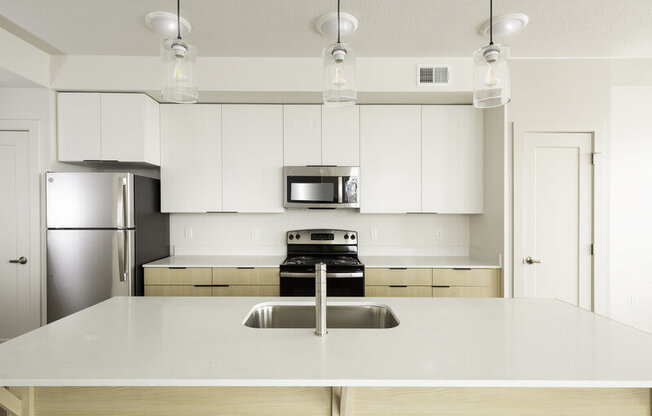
[(643, 384)]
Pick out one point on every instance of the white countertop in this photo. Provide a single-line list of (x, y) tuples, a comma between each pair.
[(218, 261), (443, 262), (431, 262), (439, 342)]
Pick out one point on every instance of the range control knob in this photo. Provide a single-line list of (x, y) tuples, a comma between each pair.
[(352, 236), (291, 237), (298, 236), (346, 236)]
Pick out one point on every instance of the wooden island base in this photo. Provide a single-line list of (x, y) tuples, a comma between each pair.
[(326, 401)]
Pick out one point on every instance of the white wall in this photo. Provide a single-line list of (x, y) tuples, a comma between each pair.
[(232, 233), (488, 230), (631, 205)]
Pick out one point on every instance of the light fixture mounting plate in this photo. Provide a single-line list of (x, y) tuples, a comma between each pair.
[(165, 24), (326, 24), (505, 24)]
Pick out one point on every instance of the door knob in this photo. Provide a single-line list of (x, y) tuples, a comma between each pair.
[(530, 260), (21, 260)]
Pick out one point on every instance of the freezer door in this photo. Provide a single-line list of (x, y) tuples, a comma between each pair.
[(85, 267), (90, 200)]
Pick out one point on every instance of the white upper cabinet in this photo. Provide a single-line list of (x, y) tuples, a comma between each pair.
[(191, 158), (340, 136), (252, 149), (452, 159), (108, 127), (302, 135), (390, 158), (130, 128), (78, 127)]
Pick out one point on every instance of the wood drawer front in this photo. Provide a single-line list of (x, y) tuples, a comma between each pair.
[(398, 291), (467, 277), (244, 276), (466, 292), (180, 276), (161, 290), (410, 277), (240, 290)]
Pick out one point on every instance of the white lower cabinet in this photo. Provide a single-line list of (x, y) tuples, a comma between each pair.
[(452, 159), (252, 146), (390, 158), (191, 158)]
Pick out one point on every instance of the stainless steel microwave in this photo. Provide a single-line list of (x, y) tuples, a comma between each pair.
[(321, 187)]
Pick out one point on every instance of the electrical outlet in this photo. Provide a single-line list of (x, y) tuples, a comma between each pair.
[(439, 234), (255, 234), (635, 301), (374, 233), (188, 233)]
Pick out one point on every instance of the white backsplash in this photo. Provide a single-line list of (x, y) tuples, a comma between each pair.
[(264, 234)]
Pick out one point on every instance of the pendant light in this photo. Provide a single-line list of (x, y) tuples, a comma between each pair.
[(179, 68), (339, 72), (491, 72)]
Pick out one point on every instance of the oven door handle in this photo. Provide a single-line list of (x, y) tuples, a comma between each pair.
[(312, 275)]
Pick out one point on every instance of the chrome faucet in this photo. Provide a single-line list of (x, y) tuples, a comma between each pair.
[(320, 299)]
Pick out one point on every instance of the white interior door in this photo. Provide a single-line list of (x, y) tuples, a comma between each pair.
[(554, 217), (15, 293)]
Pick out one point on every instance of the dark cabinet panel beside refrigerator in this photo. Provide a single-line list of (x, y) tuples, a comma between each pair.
[(101, 229)]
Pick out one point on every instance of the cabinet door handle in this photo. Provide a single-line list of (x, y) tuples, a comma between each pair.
[(441, 286), (397, 285), (245, 268), (398, 268), (21, 260)]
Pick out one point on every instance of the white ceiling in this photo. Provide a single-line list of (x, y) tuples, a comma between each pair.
[(399, 28)]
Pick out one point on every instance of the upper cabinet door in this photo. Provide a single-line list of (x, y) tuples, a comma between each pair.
[(390, 158), (129, 126), (191, 158), (340, 136), (252, 145), (78, 127), (452, 159), (302, 135)]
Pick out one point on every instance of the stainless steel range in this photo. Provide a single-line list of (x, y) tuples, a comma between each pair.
[(338, 249)]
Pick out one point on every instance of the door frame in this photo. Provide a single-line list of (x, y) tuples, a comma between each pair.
[(600, 285), (37, 283)]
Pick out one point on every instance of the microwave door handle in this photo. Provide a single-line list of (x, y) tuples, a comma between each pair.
[(339, 189)]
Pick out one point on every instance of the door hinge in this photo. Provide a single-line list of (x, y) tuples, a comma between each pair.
[(595, 157)]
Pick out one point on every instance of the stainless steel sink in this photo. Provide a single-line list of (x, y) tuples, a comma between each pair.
[(339, 315)]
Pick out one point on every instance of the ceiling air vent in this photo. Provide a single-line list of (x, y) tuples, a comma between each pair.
[(433, 75)]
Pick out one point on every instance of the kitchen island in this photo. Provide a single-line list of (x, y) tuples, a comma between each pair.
[(446, 356)]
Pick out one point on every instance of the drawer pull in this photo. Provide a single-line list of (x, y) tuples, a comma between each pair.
[(245, 268), (441, 286), (398, 268), (211, 285), (461, 268), (397, 285), (178, 268)]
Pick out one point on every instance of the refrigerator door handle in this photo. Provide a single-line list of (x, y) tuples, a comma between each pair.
[(123, 203), (123, 250)]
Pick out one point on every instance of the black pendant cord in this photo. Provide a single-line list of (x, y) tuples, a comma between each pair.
[(338, 21), (491, 22), (178, 19)]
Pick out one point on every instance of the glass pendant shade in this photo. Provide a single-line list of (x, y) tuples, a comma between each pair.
[(179, 71), (491, 76), (339, 75)]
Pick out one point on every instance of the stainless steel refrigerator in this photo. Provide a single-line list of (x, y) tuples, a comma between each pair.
[(101, 229)]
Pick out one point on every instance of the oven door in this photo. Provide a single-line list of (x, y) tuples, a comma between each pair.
[(300, 284)]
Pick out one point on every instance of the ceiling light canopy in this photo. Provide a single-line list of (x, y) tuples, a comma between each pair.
[(504, 25), (491, 84), (165, 24), (339, 71), (178, 68), (326, 24)]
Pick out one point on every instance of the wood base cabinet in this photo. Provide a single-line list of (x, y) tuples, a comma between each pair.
[(206, 281), (445, 283)]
